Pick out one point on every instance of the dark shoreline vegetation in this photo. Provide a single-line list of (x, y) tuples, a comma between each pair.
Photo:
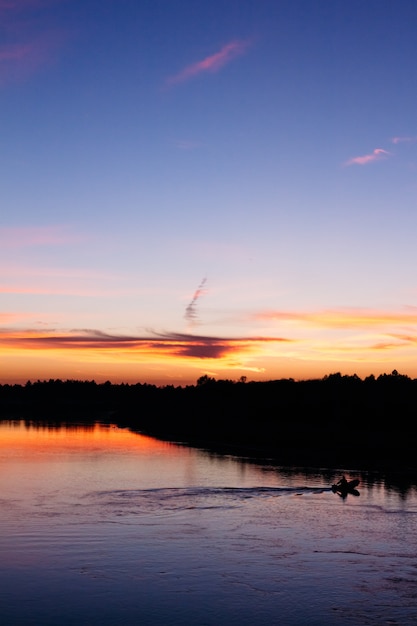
[(337, 421)]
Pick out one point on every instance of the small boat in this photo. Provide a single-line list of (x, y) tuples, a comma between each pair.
[(343, 487)]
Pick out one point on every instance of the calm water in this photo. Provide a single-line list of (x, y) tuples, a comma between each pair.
[(103, 526)]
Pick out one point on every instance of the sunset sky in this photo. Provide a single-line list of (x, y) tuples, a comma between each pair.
[(225, 188)]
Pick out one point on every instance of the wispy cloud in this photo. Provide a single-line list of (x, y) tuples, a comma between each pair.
[(362, 349), (16, 52), (191, 310), (181, 345), (20, 60), (28, 44), (19, 237), (364, 159), (342, 318), (212, 63), (412, 339), (386, 345), (36, 279), (397, 140), (11, 318)]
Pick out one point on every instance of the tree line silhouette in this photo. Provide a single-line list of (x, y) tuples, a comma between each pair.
[(339, 419)]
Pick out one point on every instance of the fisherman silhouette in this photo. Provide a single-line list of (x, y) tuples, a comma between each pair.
[(343, 483)]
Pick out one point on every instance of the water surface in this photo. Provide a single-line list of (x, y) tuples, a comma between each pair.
[(99, 525)]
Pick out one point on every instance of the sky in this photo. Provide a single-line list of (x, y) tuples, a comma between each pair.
[(193, 188)]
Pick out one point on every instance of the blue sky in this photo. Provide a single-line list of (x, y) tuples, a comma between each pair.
[(253, 160)]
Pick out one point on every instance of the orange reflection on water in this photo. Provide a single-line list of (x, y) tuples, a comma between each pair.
[(32, 437)]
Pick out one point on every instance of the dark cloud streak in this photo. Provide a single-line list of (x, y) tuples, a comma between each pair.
[(191, 310), (177, 344)]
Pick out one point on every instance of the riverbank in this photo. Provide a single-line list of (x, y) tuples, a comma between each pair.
[(338, 421)]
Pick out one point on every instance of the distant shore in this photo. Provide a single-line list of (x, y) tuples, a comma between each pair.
[(339, 421)]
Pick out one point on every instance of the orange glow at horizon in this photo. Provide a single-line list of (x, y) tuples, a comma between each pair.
[(287, 344)]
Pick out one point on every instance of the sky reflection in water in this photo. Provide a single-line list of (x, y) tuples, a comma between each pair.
[(102, 525)]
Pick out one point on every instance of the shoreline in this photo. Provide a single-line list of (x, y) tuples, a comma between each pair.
[(337, 421)]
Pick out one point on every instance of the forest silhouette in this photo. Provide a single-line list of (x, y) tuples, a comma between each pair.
[(338, 420)]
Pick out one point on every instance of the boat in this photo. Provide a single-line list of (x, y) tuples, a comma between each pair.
[(344, 487)]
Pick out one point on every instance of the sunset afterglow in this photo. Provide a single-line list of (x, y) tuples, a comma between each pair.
[(227, 189)]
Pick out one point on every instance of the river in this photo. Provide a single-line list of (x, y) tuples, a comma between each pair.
[(100, 525)]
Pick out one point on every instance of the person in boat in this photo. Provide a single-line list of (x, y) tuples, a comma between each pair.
[(342, 484)]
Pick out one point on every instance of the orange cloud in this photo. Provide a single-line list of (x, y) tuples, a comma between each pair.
[(351, 318), (181, 358), (386, 345), (173, 344), (412, 339), (376, 155), (212, 63), (7, 318)]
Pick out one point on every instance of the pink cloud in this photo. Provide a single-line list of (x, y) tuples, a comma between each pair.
[(19, 60), (16, 52), (376, 155), (28, 45), (397, 140), (15, 237), (7, 318), (212, 63)]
